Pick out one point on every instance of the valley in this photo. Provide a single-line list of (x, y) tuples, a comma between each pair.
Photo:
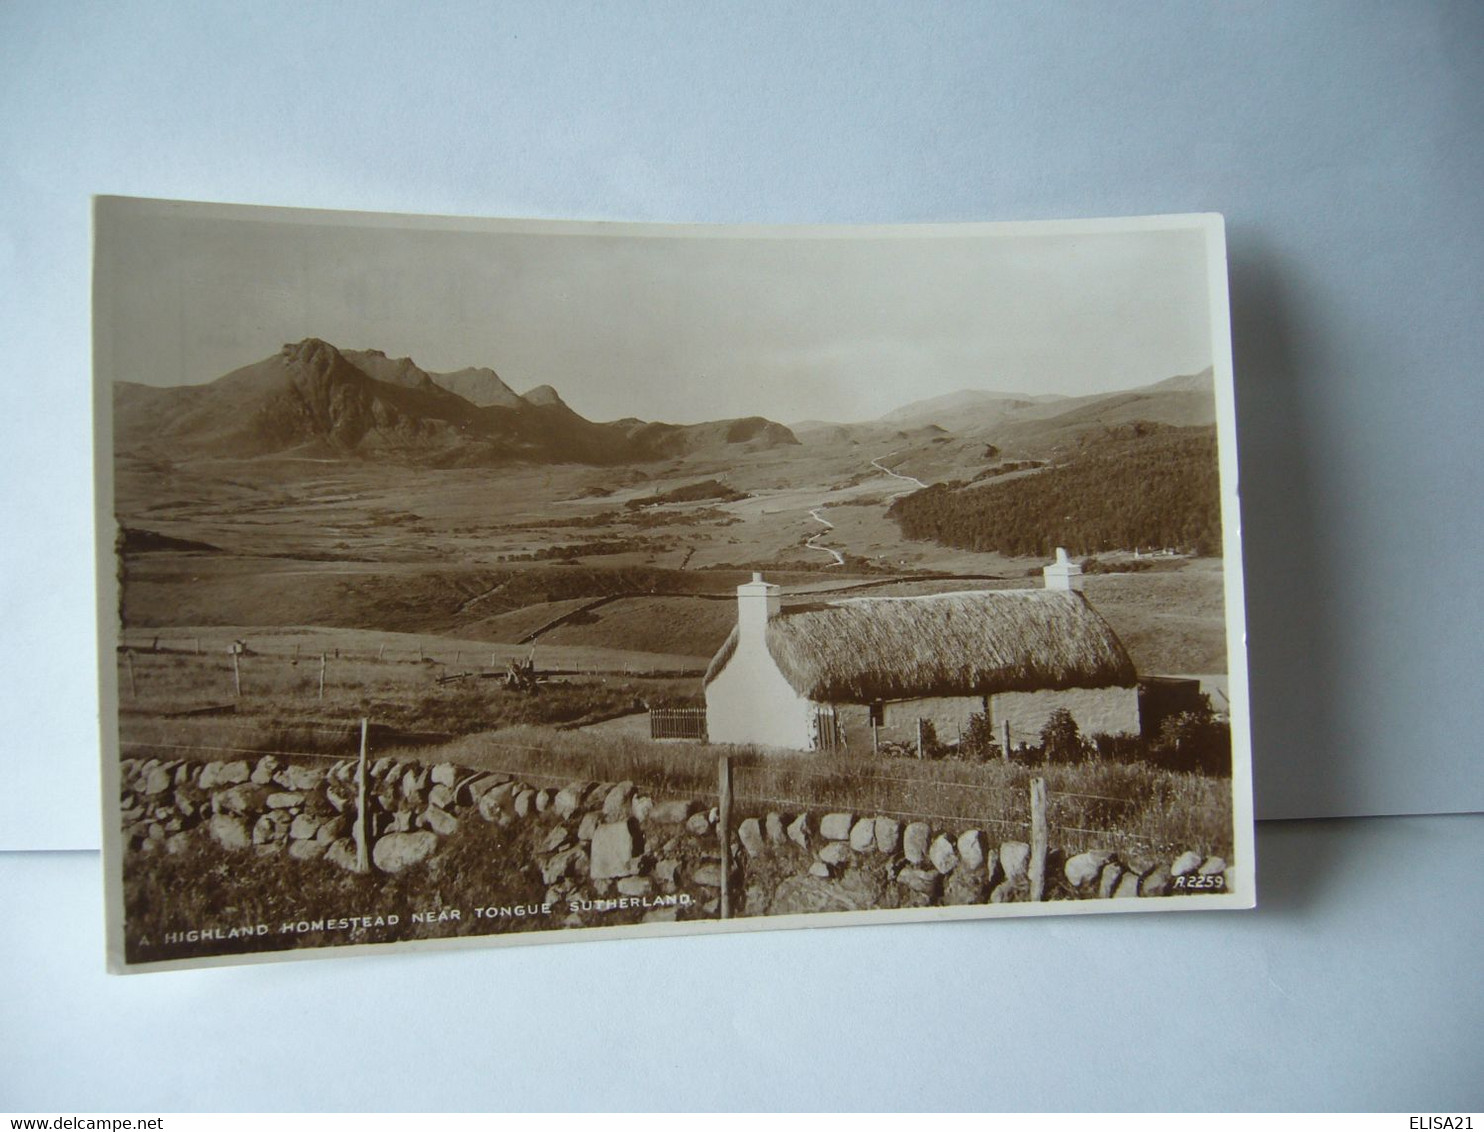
[(635, 549)]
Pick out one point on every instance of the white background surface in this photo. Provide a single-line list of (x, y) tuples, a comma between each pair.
[(1342, 141), (1353, 987)]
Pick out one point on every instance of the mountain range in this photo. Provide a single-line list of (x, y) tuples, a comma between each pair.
[(314, 400), (1027, 423)]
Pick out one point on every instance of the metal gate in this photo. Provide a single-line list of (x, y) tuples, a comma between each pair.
[(677, 723)]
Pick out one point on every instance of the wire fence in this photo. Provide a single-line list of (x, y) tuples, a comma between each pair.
[(257, 752), (493, 657), (349, 730), (980, 804), (878, 811)]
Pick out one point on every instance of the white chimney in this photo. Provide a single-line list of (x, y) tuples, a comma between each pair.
[(1063, 574), (757, 601)]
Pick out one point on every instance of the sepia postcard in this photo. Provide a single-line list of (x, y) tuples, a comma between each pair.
[(468, 582)]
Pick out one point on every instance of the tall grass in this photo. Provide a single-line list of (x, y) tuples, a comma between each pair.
[(1142, 811), (548, 757)]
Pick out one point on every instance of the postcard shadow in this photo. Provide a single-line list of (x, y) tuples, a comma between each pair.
[(1298, 769)]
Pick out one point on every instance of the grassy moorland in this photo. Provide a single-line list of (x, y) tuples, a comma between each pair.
[(496, 554), (1170, 618)]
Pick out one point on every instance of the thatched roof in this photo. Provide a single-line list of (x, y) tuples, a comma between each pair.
[(961, 644)]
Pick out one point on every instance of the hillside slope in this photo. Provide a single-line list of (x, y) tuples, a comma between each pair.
[(1139, 485), (1028, 424)]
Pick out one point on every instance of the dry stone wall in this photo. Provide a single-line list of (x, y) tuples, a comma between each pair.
[(604, 847)]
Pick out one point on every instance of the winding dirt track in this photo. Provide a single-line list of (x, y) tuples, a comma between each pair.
[(879, 466), (828, 526), (814, 514)]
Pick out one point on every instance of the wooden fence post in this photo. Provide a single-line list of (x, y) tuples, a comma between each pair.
[(1005, 739), (1038, 839), (919, 738), (724, 832), (379, 650), (321, 675), (133, 687), (363, 819), (236, 673), (198, 645)]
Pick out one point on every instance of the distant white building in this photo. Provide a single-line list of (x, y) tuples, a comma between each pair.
[(797, 678)]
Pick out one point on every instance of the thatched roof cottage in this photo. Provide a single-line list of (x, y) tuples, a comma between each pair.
[(798, 678)]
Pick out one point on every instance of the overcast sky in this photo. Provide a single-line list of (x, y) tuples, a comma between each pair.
[(660, 327)]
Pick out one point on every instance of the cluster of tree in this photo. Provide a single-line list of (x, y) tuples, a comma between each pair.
[(1138, 486), (1006, 467), (689, 493), (632, 519), (854, 564), (583, 550)]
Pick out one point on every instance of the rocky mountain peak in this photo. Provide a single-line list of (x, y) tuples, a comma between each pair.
[(314, 353), (543, 395)]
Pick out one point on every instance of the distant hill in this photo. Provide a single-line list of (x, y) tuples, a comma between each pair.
[(748, 433), (314, 400), (979, 402), (1201, 382), (1033, 424), (1185, 401)]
